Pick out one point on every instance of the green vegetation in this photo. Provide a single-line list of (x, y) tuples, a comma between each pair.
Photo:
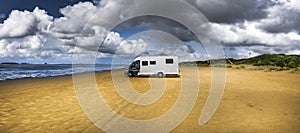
[(283, 61), (243, 67), (278, 62)]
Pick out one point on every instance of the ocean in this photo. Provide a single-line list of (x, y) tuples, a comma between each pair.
[(18, 71)]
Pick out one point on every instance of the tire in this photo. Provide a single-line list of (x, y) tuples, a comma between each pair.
[(130, 74), (160, 74)]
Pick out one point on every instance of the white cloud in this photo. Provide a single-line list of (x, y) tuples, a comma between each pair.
[(36, 34), (24, 23), (132, 47), (249, 34), (38, 47), (42, 18), (237, 27), (18, 24), (183, 53), (111, 43), (90, 33), (283, 17), (116, 44), (164, 43), (293, 52), (24, 47), (75, 18), (30, 34)]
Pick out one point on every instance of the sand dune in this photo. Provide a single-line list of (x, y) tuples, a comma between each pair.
[(253, 101)]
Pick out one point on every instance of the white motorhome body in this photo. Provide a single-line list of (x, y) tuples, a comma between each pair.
[(153, 65)]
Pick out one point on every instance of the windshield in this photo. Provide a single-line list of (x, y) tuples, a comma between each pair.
[(135, 65)]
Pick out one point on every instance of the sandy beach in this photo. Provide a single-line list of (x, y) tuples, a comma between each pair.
[(253, 101)]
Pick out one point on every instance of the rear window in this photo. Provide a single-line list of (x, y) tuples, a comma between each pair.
[(169, 61), (152, 62), (144, 63)]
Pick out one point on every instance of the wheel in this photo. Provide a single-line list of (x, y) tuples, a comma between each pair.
[(160, 74), (130, 74)]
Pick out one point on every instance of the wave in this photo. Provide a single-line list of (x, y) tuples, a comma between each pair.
[(18, 71)]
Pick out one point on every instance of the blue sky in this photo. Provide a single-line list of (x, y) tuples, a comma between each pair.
[(53, 31), (51, 6)]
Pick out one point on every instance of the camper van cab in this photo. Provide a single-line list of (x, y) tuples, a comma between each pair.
[(153, 65)]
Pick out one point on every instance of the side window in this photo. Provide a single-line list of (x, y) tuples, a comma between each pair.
[(144, 63), (152, 62), (169, 61)]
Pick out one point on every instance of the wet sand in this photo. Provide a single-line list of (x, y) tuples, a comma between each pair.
[(253, 101)]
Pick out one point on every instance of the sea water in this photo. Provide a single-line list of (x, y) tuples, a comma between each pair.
[(17, 71)]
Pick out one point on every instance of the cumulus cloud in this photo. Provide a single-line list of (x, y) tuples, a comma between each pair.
[(183, 52), (23, 31), (164, 43), (277, 33), (90, 34), (246, 23), (249, 34), (250, 27), (110, 42), (284, 17), (24, 47), (18, 24), (74, 18), (24, 23)]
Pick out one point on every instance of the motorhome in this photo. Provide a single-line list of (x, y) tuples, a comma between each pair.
[(153, 65)]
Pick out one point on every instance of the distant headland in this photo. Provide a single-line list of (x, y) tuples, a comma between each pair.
[(10, 63), (16, 63)]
